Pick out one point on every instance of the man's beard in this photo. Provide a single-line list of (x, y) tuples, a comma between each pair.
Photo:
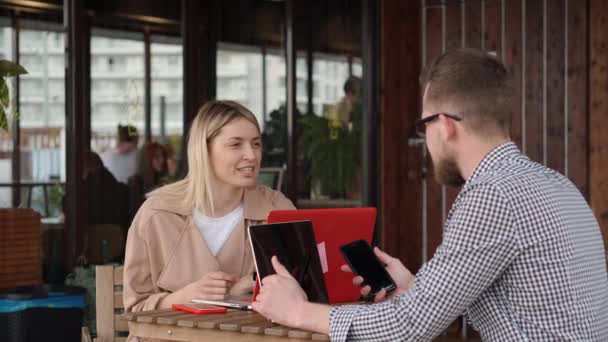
[(447, 172)]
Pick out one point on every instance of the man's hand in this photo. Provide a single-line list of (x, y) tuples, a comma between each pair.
[(402, 276), (281, 297)]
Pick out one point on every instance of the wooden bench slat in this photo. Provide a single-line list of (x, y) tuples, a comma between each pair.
[(257, 328), (236, 325), (119, 324), (193, 320), (276, 331), (118, 272), (152, 318), (320, 337), (299, 334), (132, 316), (172, 320), (118, 304), (223, 318)]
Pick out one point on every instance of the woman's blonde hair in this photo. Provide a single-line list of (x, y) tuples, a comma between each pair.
[(195, 191)]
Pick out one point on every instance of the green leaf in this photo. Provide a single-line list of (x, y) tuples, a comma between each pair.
[(4, 98), (8, 68), (3, 121)]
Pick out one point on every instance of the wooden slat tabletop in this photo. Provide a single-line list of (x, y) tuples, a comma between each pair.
[(182, 326)]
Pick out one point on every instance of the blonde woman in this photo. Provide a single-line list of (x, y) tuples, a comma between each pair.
[(188, 239)]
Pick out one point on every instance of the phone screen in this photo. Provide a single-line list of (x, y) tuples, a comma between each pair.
[(363, 262)]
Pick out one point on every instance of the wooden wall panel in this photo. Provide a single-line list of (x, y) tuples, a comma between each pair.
[(555, 84), (577, 108), (492, 26), (433, 47), (400, 168), (454, 38), (512, 56), (453, 24), (557, 53), (532, 128), (598, 111), (472, 20)]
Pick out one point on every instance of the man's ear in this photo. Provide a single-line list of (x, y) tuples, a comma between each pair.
[(448, 128)]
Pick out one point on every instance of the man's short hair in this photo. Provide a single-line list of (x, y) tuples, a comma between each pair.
[(127, 133), (474, 83)]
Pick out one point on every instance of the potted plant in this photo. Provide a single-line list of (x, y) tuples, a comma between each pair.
[(334, 152), (7, 69)]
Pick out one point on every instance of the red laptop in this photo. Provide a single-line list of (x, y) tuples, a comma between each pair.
[(334, 228)]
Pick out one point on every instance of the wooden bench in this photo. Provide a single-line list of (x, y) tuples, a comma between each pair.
[(108, 301)]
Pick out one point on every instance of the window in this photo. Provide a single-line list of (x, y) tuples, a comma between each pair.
[(117, 83), (42, 113), (167, 83), (239, 77), (6, 137)]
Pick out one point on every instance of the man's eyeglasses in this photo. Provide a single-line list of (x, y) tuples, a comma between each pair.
[(420, 125)]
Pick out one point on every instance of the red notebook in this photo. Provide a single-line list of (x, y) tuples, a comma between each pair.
[(333, 228)]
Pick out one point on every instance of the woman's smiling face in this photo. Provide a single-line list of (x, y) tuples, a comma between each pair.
[(236, 154)]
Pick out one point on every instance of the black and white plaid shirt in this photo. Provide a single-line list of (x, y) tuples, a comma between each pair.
[(522, 257)]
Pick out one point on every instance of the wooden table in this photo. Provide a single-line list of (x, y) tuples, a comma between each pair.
[(235, 325)]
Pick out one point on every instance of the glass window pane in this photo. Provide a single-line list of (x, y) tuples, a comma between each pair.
[(117, 86), (42, 115), (167, 85), (6, 137), (239, 77), (167, 95), (275, 80), (357, 67), (330, 140)]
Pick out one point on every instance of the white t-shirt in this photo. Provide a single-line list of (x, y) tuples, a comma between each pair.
[(216, 230), (122, 166)]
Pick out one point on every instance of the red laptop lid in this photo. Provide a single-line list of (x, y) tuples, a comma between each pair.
[(334, 228)]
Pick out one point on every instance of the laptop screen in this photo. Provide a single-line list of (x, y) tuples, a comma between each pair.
[(295, 246)]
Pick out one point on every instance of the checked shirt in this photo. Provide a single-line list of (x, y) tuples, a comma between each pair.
[(522, 258)]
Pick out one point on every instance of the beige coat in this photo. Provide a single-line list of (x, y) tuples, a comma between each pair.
[(165, 250)]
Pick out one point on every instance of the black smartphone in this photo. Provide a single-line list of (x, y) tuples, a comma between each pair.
[(363, 262)]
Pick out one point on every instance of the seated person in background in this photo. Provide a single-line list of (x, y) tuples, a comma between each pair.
[(188, 239), (522, 255), (152, 171), (107, 199), (121, 160)]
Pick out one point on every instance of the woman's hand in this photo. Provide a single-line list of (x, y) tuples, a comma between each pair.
[(213, 286), (242, 286)]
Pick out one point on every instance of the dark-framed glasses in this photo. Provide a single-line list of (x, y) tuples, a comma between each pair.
[(421, 124)]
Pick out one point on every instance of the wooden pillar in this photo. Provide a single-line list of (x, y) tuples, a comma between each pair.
[(199, 40), (77, 124), (292, 139)]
